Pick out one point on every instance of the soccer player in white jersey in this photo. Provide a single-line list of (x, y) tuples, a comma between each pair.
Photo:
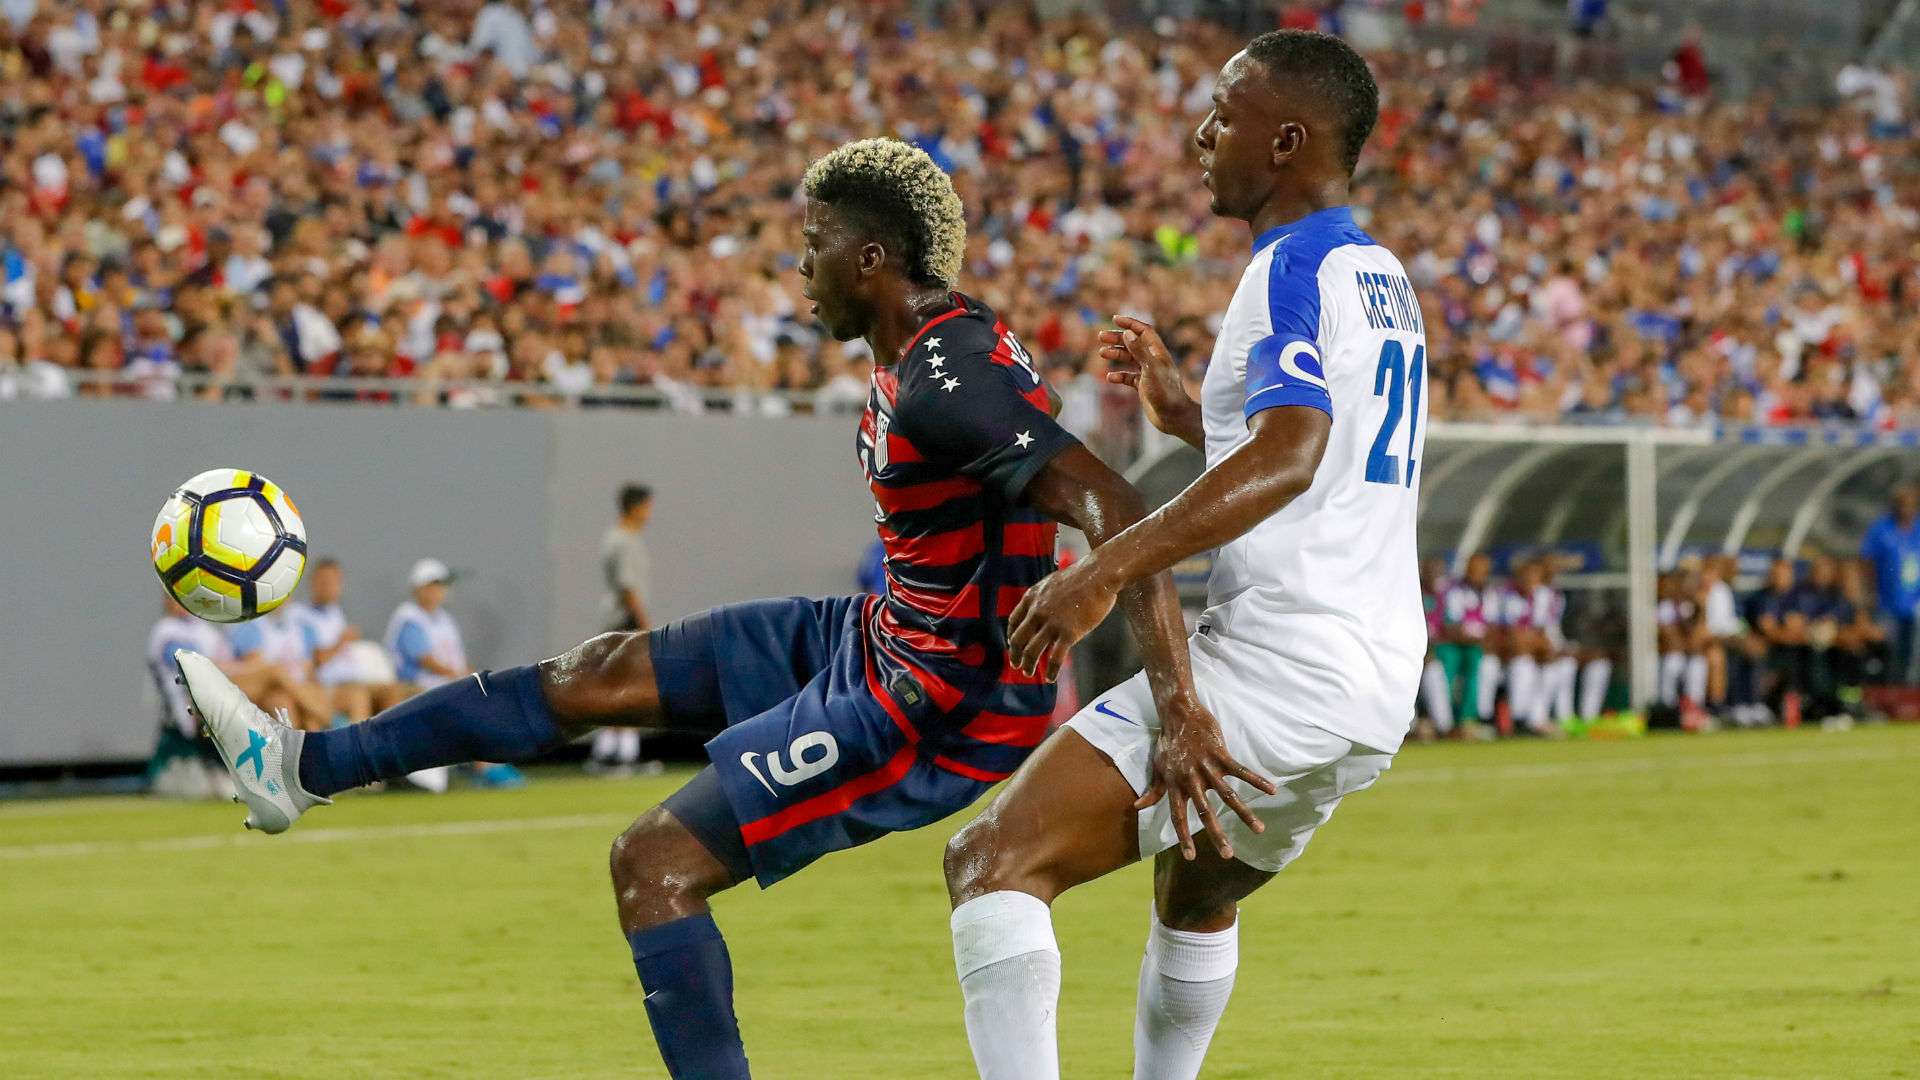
[(1308, 657)]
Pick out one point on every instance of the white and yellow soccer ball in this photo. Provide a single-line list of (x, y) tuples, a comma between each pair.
[(229, 545)]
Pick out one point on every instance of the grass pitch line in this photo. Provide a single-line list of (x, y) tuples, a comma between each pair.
[(1556, 769), (483, 827)]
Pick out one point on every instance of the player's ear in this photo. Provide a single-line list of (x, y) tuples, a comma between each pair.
[(872, 258), (1288, 139)]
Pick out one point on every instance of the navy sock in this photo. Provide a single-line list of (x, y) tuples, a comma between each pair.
[(492, 716), (688, 976)]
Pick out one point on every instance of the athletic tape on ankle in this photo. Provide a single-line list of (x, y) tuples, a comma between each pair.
[(999, 926), (1194, 957)]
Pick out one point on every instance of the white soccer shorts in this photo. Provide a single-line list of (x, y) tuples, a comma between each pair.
[(1313, 767)]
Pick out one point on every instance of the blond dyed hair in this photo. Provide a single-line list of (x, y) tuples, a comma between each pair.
[(896, 186)]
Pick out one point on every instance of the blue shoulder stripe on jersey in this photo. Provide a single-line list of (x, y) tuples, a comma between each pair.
[(1285, 369)]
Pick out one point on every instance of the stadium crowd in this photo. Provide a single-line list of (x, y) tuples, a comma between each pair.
[(553, 198)]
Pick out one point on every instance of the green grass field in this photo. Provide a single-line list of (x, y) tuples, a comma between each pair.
[(1730, 906)]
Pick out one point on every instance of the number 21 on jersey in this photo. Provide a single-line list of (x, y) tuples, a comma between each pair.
[(1399, 378)]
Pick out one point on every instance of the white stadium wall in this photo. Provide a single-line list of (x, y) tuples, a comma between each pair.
[(515, 501)]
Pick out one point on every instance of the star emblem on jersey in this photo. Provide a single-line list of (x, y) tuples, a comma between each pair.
[(936, 360), (1023, 440), (950, 385), (932, 343)]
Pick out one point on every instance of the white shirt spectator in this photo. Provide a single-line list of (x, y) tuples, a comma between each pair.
[(319, 338), (19, 12), (502, 29), (171, 634), (276, 639), (1723, 613), (415, 633)]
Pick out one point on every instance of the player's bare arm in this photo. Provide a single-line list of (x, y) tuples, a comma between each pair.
[(1079, 490), (1249, 485)]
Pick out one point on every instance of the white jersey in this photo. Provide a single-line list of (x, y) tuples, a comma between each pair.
[(414, 633), (1328, 589), (169, 635), (1549, 608), (323, 627), (277, 639)]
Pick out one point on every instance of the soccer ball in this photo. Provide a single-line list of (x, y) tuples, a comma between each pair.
[(229, 545)]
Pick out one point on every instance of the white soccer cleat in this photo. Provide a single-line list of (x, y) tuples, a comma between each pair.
[(262, 753)]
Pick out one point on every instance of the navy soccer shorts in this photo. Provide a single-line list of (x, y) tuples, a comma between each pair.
[(809, 761)]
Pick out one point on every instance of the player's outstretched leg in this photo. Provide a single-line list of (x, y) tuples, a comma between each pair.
[(1066, 818), (509, 715), (665, 867)]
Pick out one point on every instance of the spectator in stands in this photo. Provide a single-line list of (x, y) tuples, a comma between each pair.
[(1684, 643), (1892, 548), (276, 643), (627, 570), (590, 197), (1584, 17), (1861, 655), (1436, 686), (183, 765), (425, 642), (1780, 615), (359, 673), (1728, 697), (1576, 672), (1537, 659), (1466, 645)]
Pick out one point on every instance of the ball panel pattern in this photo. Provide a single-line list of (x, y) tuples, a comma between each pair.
[(229, 545)]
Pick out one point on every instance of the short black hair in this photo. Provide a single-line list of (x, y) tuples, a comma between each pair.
[(1337, 73), (325, 561), (633, 495)]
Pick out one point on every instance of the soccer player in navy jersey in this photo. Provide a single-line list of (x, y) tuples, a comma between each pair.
[(833, 722)]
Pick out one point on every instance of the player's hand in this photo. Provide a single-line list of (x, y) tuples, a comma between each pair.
[(1190, 759), (1139, 359), (350, 634), (1063, 608)]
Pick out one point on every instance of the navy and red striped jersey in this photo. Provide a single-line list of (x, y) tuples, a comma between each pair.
[(952, 434)]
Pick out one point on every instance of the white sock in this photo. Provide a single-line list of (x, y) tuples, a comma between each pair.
[(1185, 980), (1009, 969), (436, 779), (1673, 666), (1697, 680), (1489, 685), (629, 751), (1438, 696), (1561, 675), (606, 743), (1594, 679), (1540, 704), (1523, 678)]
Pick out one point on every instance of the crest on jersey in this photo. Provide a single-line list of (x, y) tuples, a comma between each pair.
[(880, 425)]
